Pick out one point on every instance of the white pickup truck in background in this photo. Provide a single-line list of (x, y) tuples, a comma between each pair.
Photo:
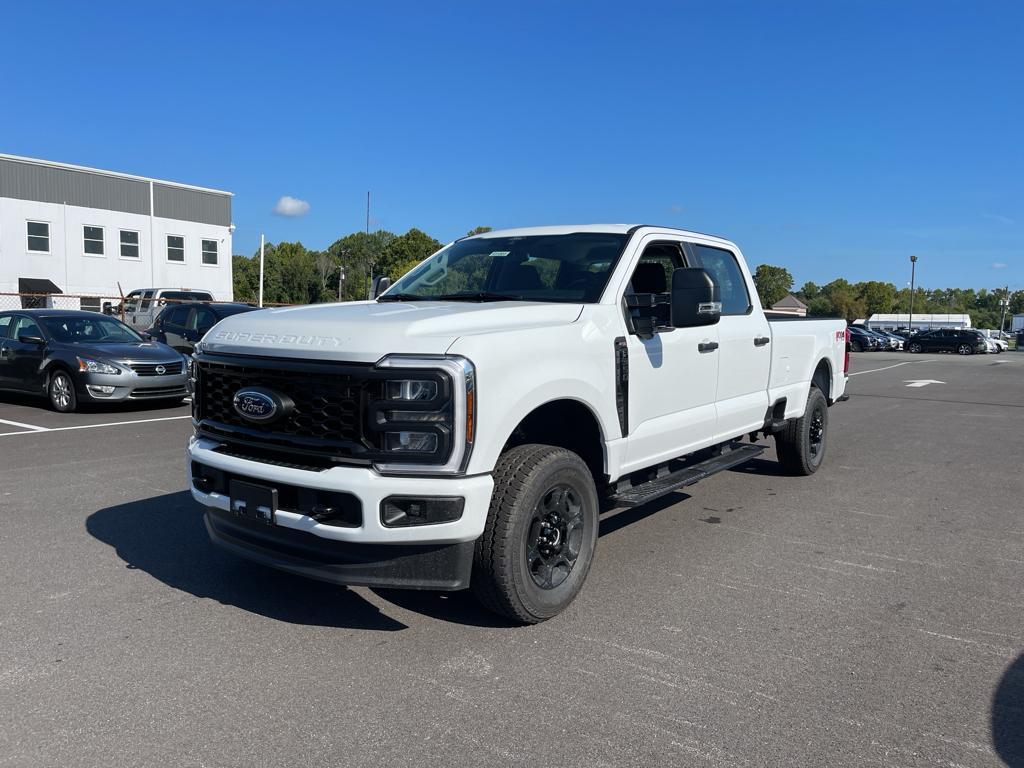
[(465, 429)]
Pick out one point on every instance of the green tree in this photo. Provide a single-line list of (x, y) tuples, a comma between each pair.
[(477, 231), (773, 283), (406, 251), (878, 296), (357, 254)]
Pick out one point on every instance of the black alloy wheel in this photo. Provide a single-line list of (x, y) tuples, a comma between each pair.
[(555, 536)]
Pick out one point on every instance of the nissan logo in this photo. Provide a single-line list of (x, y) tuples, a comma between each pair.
[(161, 370), (260, 405)]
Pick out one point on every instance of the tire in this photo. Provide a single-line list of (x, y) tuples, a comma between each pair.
[(914, 349), (521, 565), (802, 442), (856, 347), (61, 392), (964, 349)]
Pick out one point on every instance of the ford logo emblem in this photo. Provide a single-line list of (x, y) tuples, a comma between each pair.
[(261, 405), (161, 370)]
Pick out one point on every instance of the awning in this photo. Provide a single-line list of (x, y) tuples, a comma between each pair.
[(36, 285)]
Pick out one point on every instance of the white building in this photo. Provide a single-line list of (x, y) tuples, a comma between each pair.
[(921, 321), (86, 231)]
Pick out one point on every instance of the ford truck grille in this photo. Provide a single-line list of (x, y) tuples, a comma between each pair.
[(325, 420)]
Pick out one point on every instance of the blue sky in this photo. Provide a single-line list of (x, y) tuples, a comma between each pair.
[(832, 138)]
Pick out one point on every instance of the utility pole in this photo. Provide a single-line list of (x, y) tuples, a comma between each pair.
[(1005, 303), (369, 288), (262, 241), (910, 323)]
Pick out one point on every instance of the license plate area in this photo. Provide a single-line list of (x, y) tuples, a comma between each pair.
[(250, 501)]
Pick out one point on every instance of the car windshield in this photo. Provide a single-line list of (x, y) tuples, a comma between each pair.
[(73, 329), (562, 268), (227, 311)]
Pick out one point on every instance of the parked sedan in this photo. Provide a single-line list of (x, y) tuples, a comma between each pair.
[(180, 326), (862, 340), (72, 357), (962, 341)]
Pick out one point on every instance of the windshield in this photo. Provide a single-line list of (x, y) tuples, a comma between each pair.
[(566, 268), (89, 330)]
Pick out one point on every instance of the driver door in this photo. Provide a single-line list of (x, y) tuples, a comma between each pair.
[(673, 375)]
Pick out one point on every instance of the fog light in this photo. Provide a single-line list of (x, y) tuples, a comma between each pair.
[(410, 442), (401, 511), (102, 391)]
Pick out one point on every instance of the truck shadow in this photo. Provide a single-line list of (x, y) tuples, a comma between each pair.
[(763, 467), (165, 536), (1008, 715)]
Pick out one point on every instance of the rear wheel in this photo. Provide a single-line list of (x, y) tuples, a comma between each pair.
[(914, 347), (802, 442), (62, 392), (540, 536), (965, 349)]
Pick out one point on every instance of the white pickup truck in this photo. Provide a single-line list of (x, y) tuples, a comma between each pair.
[(466, 428)]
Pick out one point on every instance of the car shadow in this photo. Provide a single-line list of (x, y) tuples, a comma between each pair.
[(165, 536), (762, 467), (1008, 715)]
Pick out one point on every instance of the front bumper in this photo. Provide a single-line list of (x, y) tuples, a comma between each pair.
[(405, 566), (428, 556), (130, 386)]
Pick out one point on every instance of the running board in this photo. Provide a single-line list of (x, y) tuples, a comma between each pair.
[(636, 495)]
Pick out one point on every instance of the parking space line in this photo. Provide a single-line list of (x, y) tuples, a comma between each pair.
[(32, 427), (896, 365), (37, 430)]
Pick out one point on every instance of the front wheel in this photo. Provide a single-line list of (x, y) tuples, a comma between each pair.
[(540, 536), (856, 347), (62, 392), (914, 348), (965, 349), (801, 443)]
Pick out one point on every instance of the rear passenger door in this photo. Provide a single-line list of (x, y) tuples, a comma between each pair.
[(744, 351)]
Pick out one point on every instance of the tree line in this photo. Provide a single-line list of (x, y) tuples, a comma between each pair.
[(294, 274), (854, 301)]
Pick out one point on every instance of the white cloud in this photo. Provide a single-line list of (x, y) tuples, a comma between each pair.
[(291, 206), (675, 209), (998, 265)]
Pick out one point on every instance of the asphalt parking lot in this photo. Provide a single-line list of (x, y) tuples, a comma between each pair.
[(872, 614)]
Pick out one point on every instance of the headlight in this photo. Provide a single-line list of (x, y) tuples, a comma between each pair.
[(411, 389), (426, 414), (86, 365)]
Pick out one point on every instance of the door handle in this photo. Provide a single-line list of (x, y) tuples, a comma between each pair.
[(760, 341), (707, 346)]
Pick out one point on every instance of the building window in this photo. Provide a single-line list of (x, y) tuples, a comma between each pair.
[(92, 240), (38, 236), (210, 252), (129, 244), (175, 248)]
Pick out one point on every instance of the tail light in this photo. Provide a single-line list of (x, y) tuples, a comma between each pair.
[(846, 358)]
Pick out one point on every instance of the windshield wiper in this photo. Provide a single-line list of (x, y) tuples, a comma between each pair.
[(403, 297), (477, 296)]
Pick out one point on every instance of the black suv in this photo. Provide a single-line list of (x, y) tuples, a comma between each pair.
[(862, 340), (181, 325), (962, 341)]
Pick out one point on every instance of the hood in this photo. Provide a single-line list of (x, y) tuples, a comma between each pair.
[(142, 352), (365, 331)]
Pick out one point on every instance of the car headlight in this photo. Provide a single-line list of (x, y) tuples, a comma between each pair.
[(87, 365), (426, 414)]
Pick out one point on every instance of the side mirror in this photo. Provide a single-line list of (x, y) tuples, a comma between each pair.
[(380, 284), (695, 298), (37, 340)]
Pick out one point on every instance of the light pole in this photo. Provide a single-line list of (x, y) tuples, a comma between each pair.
[(910, 318), (1004, 303)]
